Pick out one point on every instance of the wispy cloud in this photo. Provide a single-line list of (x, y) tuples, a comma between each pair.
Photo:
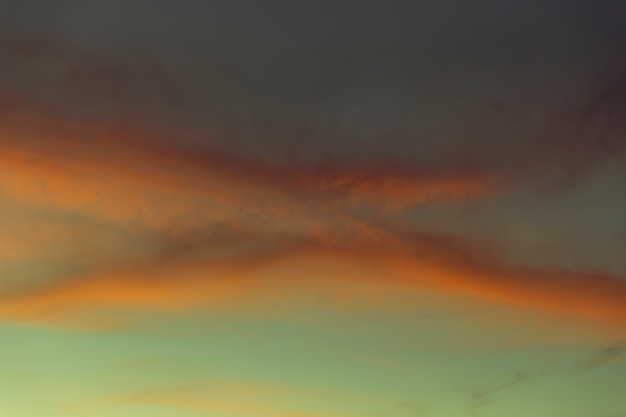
[(190, 398), (607, 355)]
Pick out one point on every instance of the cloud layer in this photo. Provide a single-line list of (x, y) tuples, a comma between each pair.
[(81, 132)]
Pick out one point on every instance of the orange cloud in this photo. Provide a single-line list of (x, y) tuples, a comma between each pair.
[(269, 272), (122, 288), (257, 410), (299, 212), (451, 265), (118, 172), (186, 397)]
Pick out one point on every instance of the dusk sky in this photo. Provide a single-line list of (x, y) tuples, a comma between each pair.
[(322, 208)]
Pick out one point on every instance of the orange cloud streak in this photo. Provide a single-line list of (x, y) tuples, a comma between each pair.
[(253, 410), (420, 263)]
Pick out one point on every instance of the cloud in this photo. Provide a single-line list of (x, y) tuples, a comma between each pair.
[(405, 409), (481, 398), (85, 82), (289, 217), (613, 353), (118, 172), (165, 282), (246, 400), (575, 135), (254, 270)]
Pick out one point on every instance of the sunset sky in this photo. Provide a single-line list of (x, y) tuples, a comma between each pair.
[(313, 208)]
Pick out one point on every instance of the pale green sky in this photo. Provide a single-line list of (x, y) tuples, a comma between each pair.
[(247, 366)]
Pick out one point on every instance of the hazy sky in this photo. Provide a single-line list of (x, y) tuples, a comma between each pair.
[(330, 208)]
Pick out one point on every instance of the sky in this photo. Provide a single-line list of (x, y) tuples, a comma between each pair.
[(330, 208)]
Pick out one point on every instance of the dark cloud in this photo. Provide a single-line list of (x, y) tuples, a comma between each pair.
[(335, 74)]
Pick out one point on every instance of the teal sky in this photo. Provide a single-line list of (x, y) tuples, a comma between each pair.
[(234, 208)]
